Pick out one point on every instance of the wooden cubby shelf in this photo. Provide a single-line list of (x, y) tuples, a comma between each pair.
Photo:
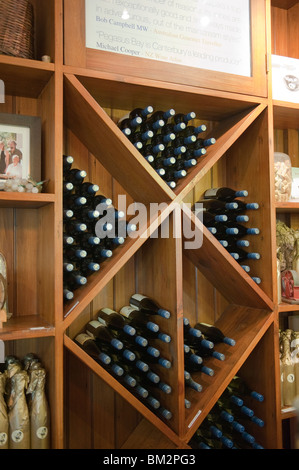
[(19, 200), (29, 326)]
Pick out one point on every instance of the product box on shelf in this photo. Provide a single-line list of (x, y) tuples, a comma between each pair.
[(285, 78)]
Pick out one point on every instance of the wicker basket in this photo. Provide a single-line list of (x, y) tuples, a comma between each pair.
[(17, 28)]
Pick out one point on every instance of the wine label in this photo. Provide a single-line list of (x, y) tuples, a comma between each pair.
[(291, 378), (94, 323), (211, 192), (3, 438), (102, 321), (17, 436), (108, 311), (125, 311), (82, 338), (42, 432), (205, 324), (138, 297)]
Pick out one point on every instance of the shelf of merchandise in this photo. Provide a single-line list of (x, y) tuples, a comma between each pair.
[(286, 124)]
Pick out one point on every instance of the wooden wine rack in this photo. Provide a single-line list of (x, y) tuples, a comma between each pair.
[(79, 98)]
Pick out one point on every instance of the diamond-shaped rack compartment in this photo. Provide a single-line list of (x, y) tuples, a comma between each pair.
[(159, 277), (226, 116)]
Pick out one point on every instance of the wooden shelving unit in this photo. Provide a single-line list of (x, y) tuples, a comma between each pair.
[(80, 96)]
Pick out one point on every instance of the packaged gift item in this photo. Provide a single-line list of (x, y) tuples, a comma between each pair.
[(283, 176), (3, 415)]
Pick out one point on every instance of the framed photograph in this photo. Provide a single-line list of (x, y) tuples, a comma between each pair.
[(20, 146)]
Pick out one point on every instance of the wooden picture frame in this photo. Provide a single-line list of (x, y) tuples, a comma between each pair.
[(76, 54), (20, 136)]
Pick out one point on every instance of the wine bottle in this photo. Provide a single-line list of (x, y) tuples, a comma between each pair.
[(88, 267), (164, 115), (68, 161), (74, 280), (239, 386), (242, 206), (190, 332), (91, 348), (135, 317), (215, 206), (214, 334), (132, 339), (67, 188), (157, 335), (129, 123), (144, 303), (73, 227), (74, 201), (243, 231), (68, 240), (87, 189), (242, 254), (180, 117), (192, 384), (68, 267), (86, 216), (141, 112), (236, 217), (68, 214), (191, 357), (138, 346), (99, 202), (67, 294), (223, 230), (164, 412), (156, 124), (210, 219), (193, 367), (75, 176), (87, 240), (75, 253), (209, 352), (97, 330), (111, 318), (155, 360), (224, 194), (195, 130), (136, 140), (100, 253)]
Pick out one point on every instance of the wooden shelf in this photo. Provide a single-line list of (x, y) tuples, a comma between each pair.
[(214, 262), (288, 412), (288, 206), (32, 326), (286, 115), (246, 326), (25, 200), (24, 77), (113, 383), (285, 307)]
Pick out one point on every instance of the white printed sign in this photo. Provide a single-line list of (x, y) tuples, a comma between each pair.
[(207, 34), (285, 79)]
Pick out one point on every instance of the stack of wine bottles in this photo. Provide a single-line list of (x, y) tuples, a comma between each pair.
[(167, 140), (24, 409), (199, 344), (224, 214), (226, 426), (122, 343), (92, 228)]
